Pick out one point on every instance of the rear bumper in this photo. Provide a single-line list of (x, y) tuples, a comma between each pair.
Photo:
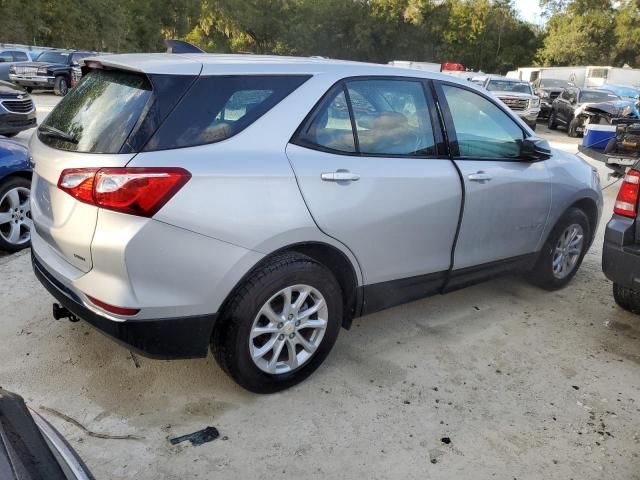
[(620, 253), (170, 338)]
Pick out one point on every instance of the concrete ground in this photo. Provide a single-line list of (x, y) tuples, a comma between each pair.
[(501, 380)]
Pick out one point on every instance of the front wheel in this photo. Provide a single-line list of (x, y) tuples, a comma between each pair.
[(563, 251), (572, 129), (552, 121), (61, 86), (280, 325)]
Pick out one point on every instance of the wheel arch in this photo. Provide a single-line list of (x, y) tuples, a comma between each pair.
[(330, 257), (590, 208)]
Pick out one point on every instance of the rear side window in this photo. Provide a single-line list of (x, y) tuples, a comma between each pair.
[(390, 117), (218, 107), (98, 115)]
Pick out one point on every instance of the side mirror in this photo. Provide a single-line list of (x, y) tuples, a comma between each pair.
[(534, 149)]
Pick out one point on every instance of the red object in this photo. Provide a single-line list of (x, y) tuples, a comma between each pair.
[(110, 308), (456, 67), (627, 200), (135, 191)]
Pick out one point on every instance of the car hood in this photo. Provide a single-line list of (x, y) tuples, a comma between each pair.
[(10, 90), (614, 109), (41, 64), (501, 94), (550, 89)]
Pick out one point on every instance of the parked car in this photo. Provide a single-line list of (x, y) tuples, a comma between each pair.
[(56, 70), (187, 200), (566, 109), (517, 95), (548, 89), (620, 253), (31, 448), (17, 110), (623, 91), (13, 56), (15, 187)]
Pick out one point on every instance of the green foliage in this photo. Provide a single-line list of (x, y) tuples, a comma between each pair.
[(481, 34)]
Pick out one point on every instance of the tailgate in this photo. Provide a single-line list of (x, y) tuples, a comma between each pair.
[(66, 224)]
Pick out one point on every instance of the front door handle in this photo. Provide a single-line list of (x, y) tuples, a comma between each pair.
[(480, 177), (340, 176)]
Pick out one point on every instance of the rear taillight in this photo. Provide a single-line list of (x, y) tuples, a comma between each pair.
[(627, 201), (136, 191)]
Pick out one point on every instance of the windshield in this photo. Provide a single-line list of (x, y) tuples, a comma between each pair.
[(508, 86), (98, 115), (53, 57), (622, 91), (551, 83), (590, 96)]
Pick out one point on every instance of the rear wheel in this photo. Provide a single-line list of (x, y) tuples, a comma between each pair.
[(552, 122), (563, 251), (61, 86), (28, 89), (15, 214), (280, 325), (626, 298), (9, 135)]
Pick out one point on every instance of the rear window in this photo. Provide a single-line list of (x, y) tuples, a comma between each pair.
[(98, 115), (218, 107)]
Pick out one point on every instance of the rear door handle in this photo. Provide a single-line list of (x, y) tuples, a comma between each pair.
[(340, 176), (480, 177)]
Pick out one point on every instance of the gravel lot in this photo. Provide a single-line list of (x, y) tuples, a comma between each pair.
[(501, 380)]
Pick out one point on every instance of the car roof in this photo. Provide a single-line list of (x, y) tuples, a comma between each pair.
[(227, 64)]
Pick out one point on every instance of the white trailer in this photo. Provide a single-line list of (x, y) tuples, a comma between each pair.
[(425, 66), (598, 76), (575, 75)]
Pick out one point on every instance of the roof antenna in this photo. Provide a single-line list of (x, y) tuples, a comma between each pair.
[(180, 46)]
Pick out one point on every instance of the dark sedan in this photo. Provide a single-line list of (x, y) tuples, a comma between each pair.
[(15, 189), (17, 110), (570, 104)]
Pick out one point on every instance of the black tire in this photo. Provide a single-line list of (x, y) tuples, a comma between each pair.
[(627, 298), (28, 89), (61, 86), (572, 129), (552, 121), (542, 273), (533, 126), (6, 186), (9, 135), (230, 341)]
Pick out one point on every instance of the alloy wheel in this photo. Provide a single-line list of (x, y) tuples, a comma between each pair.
[(567, 251), (288, 329), (15, 216)]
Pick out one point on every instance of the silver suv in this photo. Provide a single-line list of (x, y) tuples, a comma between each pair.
[(258, 204)]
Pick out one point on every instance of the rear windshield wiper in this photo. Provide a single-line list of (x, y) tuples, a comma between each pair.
[(52, 132)]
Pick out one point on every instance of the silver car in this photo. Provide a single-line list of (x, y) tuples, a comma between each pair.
[(258, 204)]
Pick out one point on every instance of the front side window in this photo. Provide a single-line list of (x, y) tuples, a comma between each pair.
[(483, 130), (587, 96), (391, 117)]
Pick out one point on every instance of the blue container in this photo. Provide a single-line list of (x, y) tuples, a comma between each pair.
[(597, 136)]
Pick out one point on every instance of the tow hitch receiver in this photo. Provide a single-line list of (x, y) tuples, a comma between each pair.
[(60, 312)]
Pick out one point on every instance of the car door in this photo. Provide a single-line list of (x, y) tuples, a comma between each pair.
[(563, 104), (374, 173), (507, 199)]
